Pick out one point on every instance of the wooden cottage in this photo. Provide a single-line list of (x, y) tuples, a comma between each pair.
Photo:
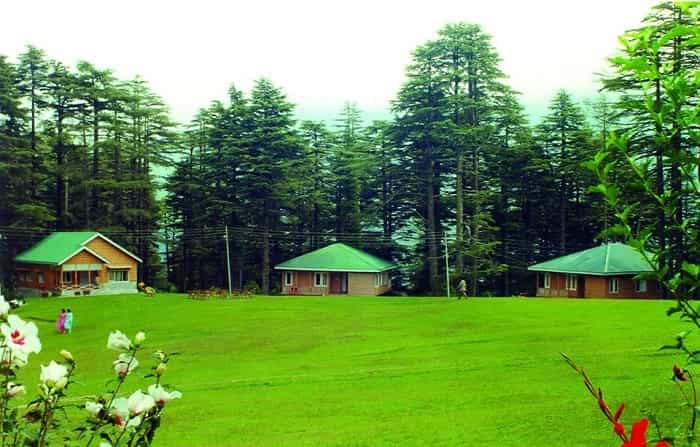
[(606, 271), (337, 269), (75, 263)]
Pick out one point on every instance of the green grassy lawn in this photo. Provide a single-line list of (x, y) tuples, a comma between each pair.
[(274, 371)]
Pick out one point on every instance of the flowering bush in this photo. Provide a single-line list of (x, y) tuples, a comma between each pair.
[(108, 420)]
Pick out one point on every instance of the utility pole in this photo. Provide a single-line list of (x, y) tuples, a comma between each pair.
[(447, 266), (228, 261)]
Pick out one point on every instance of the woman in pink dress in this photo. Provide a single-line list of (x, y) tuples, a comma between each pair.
[(61, 322)]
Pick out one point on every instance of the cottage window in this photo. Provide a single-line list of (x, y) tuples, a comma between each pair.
[(288, 278), (118, 275), (640, 286), (546, 280), (320, 279), (613, 285), (40, 277), (24, 276), (381, 279), (68, 277), (571, 282)]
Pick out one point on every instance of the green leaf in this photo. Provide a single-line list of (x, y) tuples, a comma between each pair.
[(683, 335), (691, 269)]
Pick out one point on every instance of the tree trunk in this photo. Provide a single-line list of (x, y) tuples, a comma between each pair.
[(475, 225), (459, 211), (504, 238), (678, 252), (266, 263), (35, 152), (661, 214), (61, 192), (266, 252), (563, 201), (431, 233), (95, 157)]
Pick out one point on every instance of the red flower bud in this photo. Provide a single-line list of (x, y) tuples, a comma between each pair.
[(619, 429), (678, 374), (618, 413)]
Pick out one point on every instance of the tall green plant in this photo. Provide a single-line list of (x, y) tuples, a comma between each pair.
[(667, 90)]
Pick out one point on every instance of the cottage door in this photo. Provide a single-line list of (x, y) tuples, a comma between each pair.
[(84, 278), (334, 286), (343, 283)]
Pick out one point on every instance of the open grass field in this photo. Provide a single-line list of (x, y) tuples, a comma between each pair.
[(274, 371)]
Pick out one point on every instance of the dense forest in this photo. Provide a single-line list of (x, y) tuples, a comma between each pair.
[(459, 169)]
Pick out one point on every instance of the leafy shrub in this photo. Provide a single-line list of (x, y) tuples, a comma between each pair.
[(111, 419)]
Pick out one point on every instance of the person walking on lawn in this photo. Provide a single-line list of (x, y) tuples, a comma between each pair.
[(462, 289)]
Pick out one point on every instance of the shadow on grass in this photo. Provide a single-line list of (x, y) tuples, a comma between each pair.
[(45, 320)]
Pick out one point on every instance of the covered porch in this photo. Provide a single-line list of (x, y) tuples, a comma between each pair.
[(80, 279)]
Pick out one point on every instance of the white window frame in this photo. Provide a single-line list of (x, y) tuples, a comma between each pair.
[(547, 280), (571, 282), (320, 279), (67, 277), (381, 279), (24, 275), (614, 286), (125, 273), (640, 286), (288, 278), (40, 277)]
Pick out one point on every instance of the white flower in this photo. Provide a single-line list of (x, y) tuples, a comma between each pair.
[(4, 308), (161, 396), (117, 341), (61, 383), (161, 368), (105, 444), (10, 357), (125, 364), (15, 390), (140, 403), (20, 335), (128, 413), (139, 338), (119, 410), (53, 374), (93, 408), (134, 422)]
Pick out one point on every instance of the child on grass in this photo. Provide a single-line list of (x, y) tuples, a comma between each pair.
[(68, 324), (61, 322)]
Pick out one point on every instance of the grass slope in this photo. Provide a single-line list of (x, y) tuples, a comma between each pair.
[(379, 371)]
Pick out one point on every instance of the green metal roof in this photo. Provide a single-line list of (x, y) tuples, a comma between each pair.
[(54, 249), (604, 260), (337, 258)]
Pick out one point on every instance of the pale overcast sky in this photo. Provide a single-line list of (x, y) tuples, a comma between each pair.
[(322, 53)]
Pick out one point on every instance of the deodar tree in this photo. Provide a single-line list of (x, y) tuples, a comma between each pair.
[(273, 144), (420, 109)]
